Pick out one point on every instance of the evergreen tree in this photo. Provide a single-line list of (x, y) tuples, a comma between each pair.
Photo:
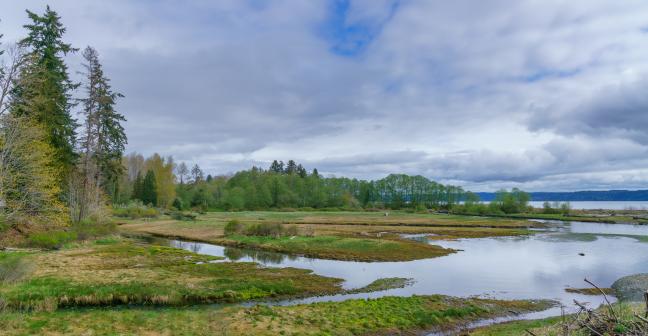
[(138, 186), (149, 189), (276, 167), (105, 138), (196, 174), (48, 99), (291, 167), (301, 171)]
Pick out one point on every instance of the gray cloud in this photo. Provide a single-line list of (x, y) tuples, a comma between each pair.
[(618, 111), (483, 94)]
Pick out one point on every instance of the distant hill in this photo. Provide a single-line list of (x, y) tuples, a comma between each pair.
[(589, 195)]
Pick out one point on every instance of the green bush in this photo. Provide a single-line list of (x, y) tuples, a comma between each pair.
[(51, 239), (13, 267), (135, 210), (233, 227), (183, 216)]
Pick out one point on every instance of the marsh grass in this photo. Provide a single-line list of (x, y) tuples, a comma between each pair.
[(14, 266), (384, 316), (340, 248), (118, 271)]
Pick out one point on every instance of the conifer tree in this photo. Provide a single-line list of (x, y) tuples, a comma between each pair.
[(48, 99), (104, 138), (149, 189)]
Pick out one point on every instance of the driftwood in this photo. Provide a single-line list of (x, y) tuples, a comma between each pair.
[(602, 321)]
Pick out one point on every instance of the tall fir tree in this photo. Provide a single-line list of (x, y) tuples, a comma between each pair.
[(149, 189), (48, 100), (104, 139), (138, 186)]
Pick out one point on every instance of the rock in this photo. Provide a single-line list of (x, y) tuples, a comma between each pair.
[(581, 254), (632, 287)]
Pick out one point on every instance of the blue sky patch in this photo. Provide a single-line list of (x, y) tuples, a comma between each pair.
[(352, 38)]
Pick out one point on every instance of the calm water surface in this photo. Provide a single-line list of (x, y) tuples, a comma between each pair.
[(608, 205), (531, 267)]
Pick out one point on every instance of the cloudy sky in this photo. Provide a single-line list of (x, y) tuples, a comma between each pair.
[(543, 95)]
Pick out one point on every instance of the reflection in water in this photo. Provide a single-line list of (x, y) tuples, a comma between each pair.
[(264, 257), (190, 246), (539, 266)]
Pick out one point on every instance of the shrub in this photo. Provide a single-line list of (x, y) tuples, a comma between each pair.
[(94, 227), (13, 267), (177, 204), (233, 227), (51, 239), (135, 210), (183, 216)]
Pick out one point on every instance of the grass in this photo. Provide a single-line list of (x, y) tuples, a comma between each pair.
[(14, 266), (553, 326), (364, 236), (381, 285), (339, 248), (519, 328), (389, 315), (113, 272)]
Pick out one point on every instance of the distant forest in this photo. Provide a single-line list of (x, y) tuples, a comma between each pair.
[(588, 195)]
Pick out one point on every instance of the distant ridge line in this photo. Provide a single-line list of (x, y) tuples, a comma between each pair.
[(585, 195)]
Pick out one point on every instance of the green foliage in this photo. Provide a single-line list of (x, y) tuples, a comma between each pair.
[(44, 90), (93, 227), (183, 216), (506, 202), (514, 201), (104, 139), (177, 204), (135, 210), (290, 186), (29, 188), (556, 208), (233, 227), (149, 193), (51, 239)]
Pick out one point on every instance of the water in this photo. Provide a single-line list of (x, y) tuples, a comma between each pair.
[(530, 267), (607, 205)]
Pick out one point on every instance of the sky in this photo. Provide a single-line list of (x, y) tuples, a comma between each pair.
[(543, 95)]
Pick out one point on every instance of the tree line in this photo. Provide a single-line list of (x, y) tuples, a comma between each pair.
[(281, 185), (55, 169)]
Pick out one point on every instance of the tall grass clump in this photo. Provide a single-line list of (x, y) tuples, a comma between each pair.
[(13, 267), (135, 210), (51, 239)]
